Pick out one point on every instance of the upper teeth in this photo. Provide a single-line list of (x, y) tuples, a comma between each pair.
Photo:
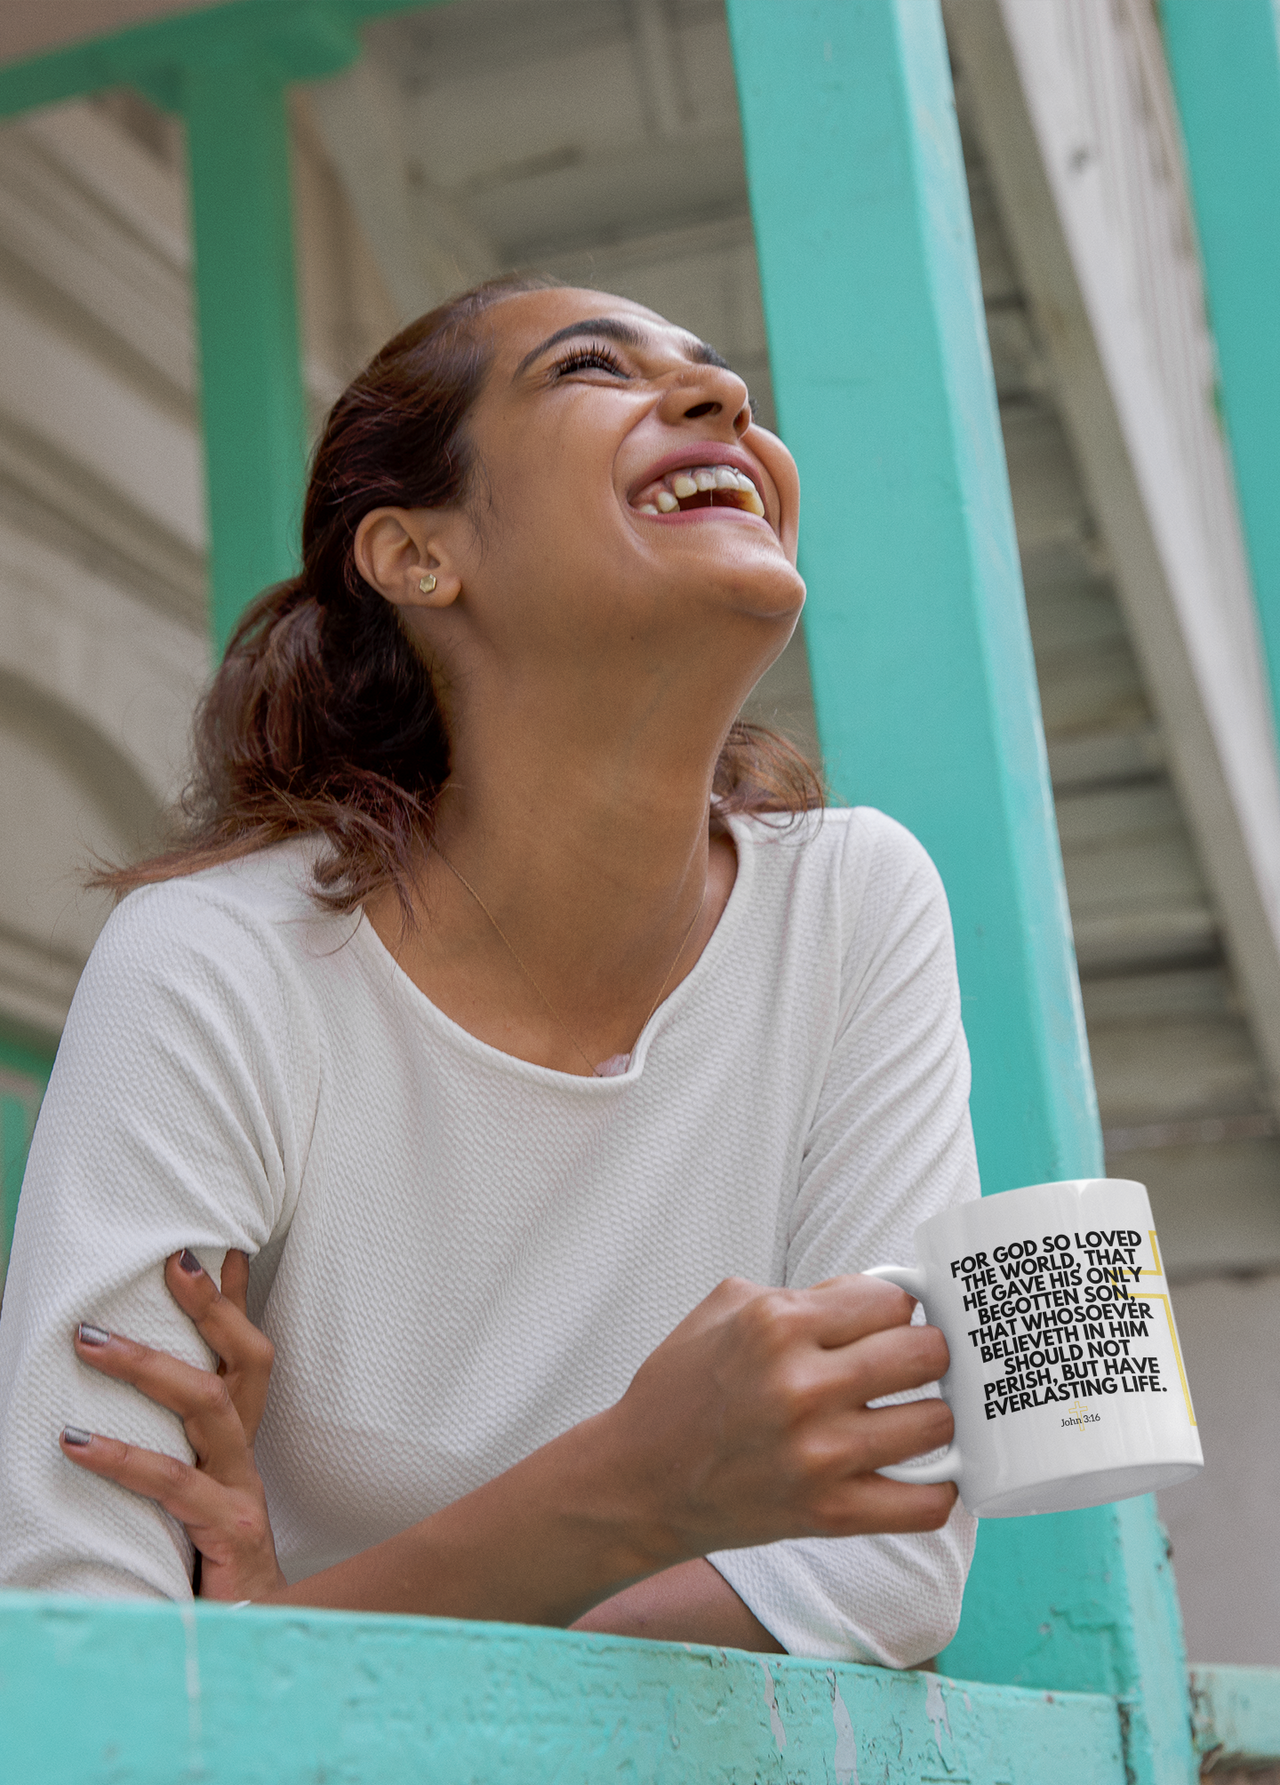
[(666, 495)]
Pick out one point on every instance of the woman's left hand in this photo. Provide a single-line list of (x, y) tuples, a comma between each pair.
[(220, 1497)]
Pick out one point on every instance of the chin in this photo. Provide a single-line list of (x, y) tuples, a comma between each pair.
[(777, 596)]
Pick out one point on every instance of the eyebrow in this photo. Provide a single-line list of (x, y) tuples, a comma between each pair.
[(625, 333)]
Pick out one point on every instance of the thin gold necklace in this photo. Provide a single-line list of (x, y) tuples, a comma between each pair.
[(511, 950)]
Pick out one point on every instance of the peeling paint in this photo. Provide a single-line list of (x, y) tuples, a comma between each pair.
[(770, 1698), (845, 1759), (935, 1709)]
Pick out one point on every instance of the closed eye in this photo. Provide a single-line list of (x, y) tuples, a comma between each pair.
[(595, 358)]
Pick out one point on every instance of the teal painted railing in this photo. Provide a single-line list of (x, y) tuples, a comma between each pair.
[(100, 1694), (927, 706), (150, 1695)]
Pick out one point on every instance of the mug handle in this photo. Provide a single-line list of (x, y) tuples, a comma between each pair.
[(947, 1466)]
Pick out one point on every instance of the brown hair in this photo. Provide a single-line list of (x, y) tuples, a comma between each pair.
[(322, 718)]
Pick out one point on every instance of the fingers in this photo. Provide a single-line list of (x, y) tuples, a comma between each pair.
[(187, 1493), (245, 1354), (798, 1375), (235, 1279), (868, 1438), (849, 1308), (835, 1463), (228, 1526), (200, 1398), (884, 1363), (873, 1503), (832, 1315)]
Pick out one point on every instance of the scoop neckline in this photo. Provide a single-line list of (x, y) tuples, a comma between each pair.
[(495, 1057)]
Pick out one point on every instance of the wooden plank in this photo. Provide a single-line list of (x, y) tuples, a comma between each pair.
[(1236, 1714), (1123, 330), (145, 1694)]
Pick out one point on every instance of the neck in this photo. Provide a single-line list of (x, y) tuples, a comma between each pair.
[(593, 855), (599, 880)]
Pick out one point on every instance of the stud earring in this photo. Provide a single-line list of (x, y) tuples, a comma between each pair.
[(427, 583)]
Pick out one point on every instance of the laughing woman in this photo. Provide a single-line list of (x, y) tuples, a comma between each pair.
[(553, 1059)]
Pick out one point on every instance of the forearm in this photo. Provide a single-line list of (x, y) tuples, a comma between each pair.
[(540, 1544), (691, 1602)]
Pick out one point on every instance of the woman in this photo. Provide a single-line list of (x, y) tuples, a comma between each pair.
[(551, 1059)]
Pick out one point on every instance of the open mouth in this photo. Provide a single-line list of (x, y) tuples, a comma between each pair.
[(699, 486)]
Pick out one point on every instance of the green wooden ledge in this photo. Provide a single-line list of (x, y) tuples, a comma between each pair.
[(150, 1694), (1235, 1713)]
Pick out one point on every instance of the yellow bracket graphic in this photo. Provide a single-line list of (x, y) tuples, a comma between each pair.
[(1173, 1335), (1168, 1309)]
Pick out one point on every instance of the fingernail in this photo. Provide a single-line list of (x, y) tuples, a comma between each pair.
[(74, 1435), (92, 1335), (190, 1263)]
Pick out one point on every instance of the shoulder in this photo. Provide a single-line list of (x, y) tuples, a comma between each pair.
[(267, 893), (848, 896), (241, 932), (853, 858)]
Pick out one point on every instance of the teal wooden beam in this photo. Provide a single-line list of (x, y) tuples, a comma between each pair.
[(305, 39), (927, 702), (252, 402), (920, 652), (1225, 63), (147, 1694)]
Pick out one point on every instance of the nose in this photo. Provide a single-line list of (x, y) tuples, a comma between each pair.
[(700, 393)]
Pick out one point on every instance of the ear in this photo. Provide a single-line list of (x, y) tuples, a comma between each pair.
[(396, 550)]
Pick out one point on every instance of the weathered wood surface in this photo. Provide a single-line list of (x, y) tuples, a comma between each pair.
[(145, 1694), (1235, 1712)]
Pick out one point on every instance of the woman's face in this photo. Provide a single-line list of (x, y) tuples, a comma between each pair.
[(624, 499)]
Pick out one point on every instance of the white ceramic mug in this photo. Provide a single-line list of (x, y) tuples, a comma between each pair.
[(1066, 1377)]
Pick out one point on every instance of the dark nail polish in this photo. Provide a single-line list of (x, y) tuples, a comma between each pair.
[(74, 1435), (92, 1335), (190, 1263)]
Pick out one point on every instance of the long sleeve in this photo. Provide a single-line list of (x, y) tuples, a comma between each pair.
[(178, 1114), (890, 1144)]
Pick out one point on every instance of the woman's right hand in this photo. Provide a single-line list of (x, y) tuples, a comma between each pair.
[(219, 1498), (750, 1424)]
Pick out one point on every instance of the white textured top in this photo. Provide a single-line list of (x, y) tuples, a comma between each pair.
[(459, 1254)]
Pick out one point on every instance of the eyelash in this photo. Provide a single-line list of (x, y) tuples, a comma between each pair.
[(600, 358), (587, 358)]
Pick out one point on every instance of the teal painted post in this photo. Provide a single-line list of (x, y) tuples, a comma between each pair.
[(927, 703), (924, 681), (251, 394), (24, 1073), (1225, 63)]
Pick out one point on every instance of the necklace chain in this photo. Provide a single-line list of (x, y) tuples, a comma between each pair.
[(512, 951)]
